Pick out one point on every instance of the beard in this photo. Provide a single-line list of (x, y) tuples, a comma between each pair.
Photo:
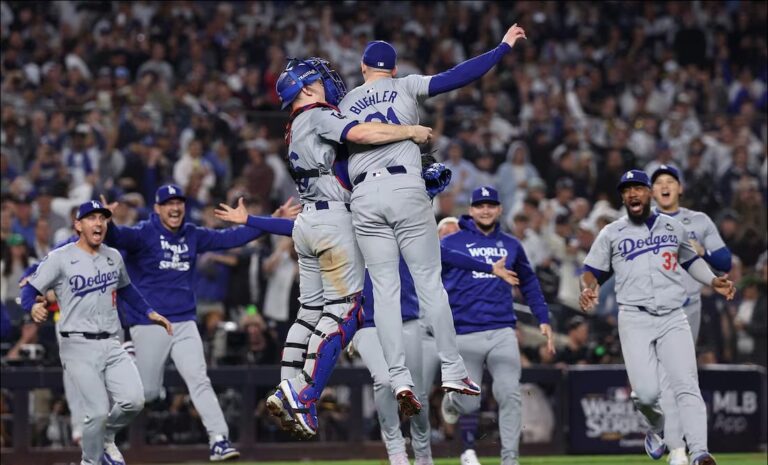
[(640, 219)]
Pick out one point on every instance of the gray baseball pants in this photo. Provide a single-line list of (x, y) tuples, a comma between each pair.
[(649, 342), (367, 344), (153, 346), (103, 370), (392, 214)]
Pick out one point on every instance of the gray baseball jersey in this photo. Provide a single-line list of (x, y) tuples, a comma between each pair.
[(314, 137), (86, 287), (700, 228), (646, 260), (386, 100)]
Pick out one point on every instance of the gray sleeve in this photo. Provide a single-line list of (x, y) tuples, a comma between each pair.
[(599, 256), (712, 240), (686, 253), (47, 274), (122, 280), (331, 124), (417, 85)]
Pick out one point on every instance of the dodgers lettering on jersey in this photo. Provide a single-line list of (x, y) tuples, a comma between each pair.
[(85, 285), (386, 100), (481, 301), (314, 141), (701, 229), (647, 261)]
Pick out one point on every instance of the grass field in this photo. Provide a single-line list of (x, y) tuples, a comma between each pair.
[(637, 459)]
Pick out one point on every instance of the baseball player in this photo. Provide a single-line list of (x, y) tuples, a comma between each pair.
[(160, 256), (87, 278), (648, 253), (392, 214), (330, 264), (703, 236), (485, 320)]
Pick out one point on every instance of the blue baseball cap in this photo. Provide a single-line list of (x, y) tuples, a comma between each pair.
[(168, 192), (379, 54), (92, 206), (665, 169), (485, 194), (634, 177)]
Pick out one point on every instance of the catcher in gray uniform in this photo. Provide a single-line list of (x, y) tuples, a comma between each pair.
[(392, 214), (703, 236), (648, 253), (86, 278)]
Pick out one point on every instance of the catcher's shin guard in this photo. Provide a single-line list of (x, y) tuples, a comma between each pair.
[(338, 325), (295, 348)]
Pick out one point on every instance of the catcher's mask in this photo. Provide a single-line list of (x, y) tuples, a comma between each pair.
[(301, 73)]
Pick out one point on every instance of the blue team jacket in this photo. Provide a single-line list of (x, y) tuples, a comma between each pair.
[(480, 301), (161, 263)]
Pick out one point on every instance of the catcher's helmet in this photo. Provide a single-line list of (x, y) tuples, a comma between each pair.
[(301, 73)]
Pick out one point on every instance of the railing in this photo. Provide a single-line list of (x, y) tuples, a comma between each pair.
[(725, 388)]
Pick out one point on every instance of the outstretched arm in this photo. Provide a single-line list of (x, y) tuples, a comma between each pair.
[(381, 133), (474, 68), (271, 225)]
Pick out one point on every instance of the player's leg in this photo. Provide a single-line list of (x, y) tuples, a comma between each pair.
[(474, 349), (83, 360), (678, 357), (74, 401), (410, 212), (152, 345), (503, 362), (693, 313), (126, 391), (188, 356), (430, 365), (367, 344), (420, 431), (382, 257)]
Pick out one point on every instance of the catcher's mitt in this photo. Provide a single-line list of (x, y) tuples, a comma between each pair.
[(436, 175)]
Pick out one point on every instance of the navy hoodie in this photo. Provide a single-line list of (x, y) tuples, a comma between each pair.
[(479, 301), (161, 263)]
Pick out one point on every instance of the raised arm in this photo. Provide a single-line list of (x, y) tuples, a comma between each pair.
[(474, 68)]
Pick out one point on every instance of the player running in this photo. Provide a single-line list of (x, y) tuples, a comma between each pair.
[(703, 236), (330, 263), (87, 277), (392, 214), (485, 320), (160, 255), (648, 253)]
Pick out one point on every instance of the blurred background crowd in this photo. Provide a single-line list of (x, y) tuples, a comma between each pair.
[(117, 98)]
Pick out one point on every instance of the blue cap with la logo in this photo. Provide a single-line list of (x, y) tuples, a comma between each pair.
[(485, 194), (92, 206), (168, 192), (634, 177)]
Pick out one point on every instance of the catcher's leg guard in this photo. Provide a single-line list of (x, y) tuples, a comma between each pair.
[(297, 340), (338, 325)]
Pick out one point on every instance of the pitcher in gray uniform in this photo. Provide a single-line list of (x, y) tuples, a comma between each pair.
[(87, 277), (648, 253), (330, 264), (392, 213), (703, 236)]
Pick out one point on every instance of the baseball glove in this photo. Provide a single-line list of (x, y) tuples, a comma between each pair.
[(436, 175)]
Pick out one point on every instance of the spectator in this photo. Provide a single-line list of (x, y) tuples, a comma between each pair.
[(576, 351), (515, 173)]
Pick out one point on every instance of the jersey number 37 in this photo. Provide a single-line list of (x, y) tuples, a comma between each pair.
[(670, 261)]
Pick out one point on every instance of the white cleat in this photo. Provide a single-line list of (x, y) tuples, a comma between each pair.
[(399, 459), (112, 455), (677, 457), (450, 414), (469, 457)]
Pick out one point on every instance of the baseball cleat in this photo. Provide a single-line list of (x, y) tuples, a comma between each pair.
[(704, 459), (469, 457), (112, 455), (654, 445), (677, 456), (222, 450), (426, 460), (399, 459), (278, 407), (409, 404), (462, 386), (450, 415), (304, 414)]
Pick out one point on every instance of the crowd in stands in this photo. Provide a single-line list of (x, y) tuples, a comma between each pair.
[(118, 98)]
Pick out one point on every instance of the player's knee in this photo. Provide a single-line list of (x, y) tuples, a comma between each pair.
[(132, 403), (646, 395), (95, 420)]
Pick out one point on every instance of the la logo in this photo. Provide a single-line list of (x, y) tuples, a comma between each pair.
[(485, 192), (171, 190), (630, 175)]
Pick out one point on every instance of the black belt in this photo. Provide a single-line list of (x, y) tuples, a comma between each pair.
[(398, 169), (323, 205), (101, 335)]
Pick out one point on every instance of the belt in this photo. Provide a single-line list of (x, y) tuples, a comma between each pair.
[(326, 205), (101, 335), (398, 169)]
